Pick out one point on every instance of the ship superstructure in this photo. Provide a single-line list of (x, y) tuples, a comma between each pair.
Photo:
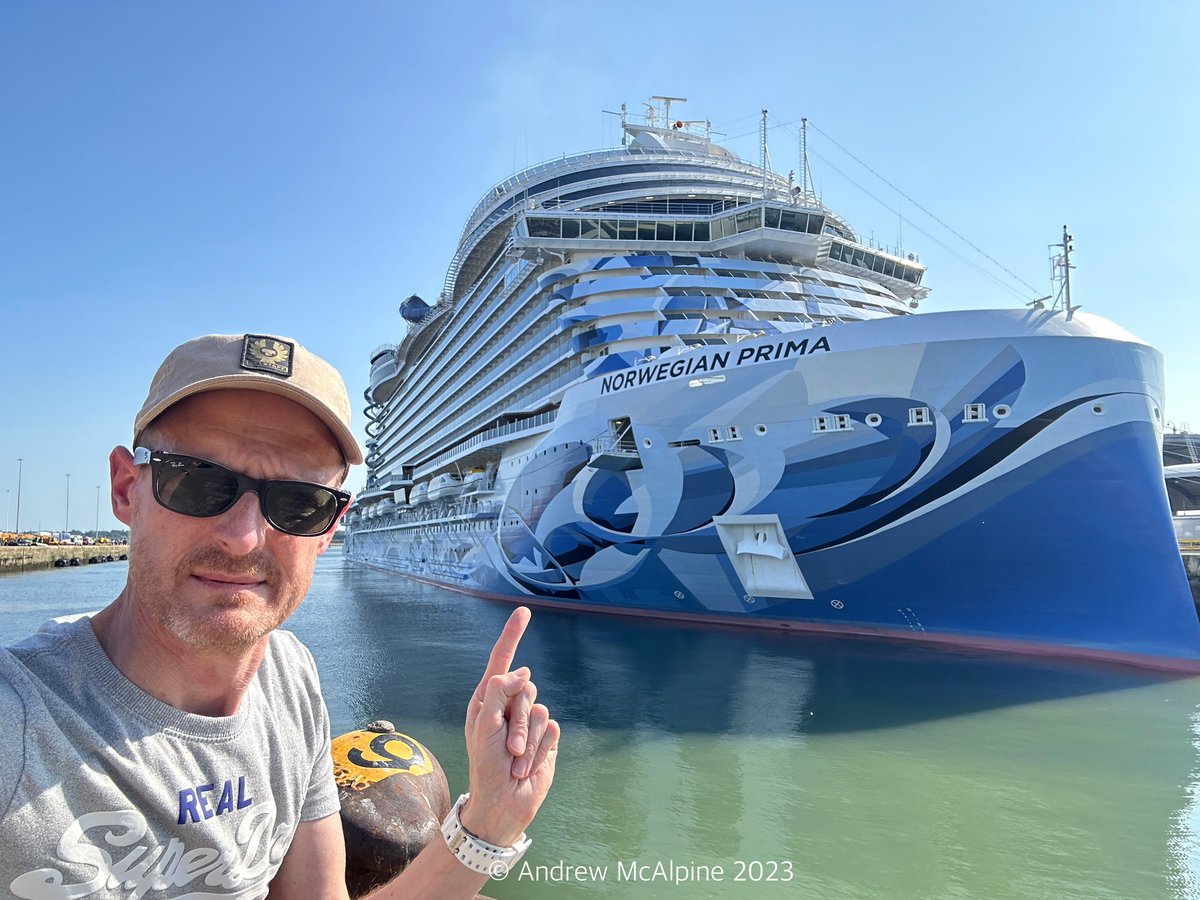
[(663, 380)]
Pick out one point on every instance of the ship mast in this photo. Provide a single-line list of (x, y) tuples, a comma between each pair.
[(1061, 267), (805, 182), (766, 158)]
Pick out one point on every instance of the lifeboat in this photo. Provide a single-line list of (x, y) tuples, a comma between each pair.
[(448, 484)]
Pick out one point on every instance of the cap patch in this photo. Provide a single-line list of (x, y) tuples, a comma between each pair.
[(263, 353)]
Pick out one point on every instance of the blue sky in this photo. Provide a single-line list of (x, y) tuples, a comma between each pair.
[(174, 169)]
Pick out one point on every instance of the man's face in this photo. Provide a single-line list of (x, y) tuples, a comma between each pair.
[(226, 581)]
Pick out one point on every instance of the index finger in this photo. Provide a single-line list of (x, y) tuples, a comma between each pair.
[(505, 649)]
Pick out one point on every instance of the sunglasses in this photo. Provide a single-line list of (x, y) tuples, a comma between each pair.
[(197, 487)]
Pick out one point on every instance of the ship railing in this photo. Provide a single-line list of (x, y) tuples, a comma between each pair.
[(460, 511), (381, 350), (535, 397), (438, 311), (609, 444), (490, 435), (451, 279), (749, 192), (534, 174), (446, 357)]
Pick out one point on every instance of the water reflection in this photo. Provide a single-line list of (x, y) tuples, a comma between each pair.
[(426, 647), (879, 769), (883, 770)]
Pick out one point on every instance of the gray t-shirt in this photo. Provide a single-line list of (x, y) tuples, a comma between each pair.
[(107, 792)]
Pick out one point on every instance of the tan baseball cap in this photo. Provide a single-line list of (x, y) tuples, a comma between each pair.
[(253, 362)]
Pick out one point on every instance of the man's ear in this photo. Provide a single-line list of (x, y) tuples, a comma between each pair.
[(122, 474)]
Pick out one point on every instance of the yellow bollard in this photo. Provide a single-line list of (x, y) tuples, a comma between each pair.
[(394, 797)]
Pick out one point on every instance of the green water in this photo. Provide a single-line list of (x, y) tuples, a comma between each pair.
[(845, 769)]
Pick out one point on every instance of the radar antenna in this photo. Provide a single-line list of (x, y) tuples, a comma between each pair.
[(667, 101)]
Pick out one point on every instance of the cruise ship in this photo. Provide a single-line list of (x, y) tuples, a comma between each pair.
[(662, 380)]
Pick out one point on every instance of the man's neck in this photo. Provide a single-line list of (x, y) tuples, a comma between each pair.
[(208, 682)]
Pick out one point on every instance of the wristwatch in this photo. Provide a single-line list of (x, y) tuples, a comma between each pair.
[(477, 854)]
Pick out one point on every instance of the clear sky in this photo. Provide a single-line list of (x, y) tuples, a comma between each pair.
[(298, 168)]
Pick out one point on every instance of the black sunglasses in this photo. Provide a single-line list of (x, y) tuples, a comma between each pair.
[(197, 487)]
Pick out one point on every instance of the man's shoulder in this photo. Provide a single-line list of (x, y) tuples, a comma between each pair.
[(11, 703), (288, 661), (46, 647), (284, 645), (51, 635)]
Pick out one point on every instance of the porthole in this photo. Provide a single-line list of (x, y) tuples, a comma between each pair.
[(760, 429), (1099, 408), (874, 420), (1157, 414), (1001, 411), (647, 443)]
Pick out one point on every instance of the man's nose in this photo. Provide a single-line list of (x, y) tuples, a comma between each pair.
[(242, 528)]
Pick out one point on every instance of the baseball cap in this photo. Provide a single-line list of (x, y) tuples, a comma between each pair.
[(253, 362)]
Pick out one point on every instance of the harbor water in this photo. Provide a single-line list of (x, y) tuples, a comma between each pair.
[(701, 762)]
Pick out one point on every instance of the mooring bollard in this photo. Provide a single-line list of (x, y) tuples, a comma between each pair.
[(394, 797)]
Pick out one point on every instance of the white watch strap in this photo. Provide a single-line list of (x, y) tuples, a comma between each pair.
[(475, 853)]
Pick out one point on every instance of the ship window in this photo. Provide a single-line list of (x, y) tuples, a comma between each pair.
[(815, 223), (749, 219), (890, 267), (545, 228), (840, 422), (974, 412), (608, 229), (772, 215), (920, 415), (792, 221), (665, 231), (714, 435), (683, 231), (701, 231), (570, 228), (589, 229), (733, 433), (628, 229), (646, 231)]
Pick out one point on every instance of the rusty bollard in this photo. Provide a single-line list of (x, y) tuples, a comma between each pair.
[(394, 797)]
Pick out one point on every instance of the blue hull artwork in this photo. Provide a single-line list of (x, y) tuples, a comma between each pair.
[(988, 477)]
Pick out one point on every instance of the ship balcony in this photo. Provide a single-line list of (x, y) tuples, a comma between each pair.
[(615, 453), (384, 375)]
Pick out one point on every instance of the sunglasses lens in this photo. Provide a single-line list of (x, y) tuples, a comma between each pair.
[(194, 487), (299, 508)]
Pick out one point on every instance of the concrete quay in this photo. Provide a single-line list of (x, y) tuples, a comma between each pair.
[(41, 556)]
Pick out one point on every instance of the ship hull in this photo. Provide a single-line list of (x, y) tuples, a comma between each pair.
[(988, 477)]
